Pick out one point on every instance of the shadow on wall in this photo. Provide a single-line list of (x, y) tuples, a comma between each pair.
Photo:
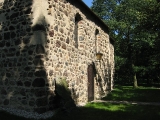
[(107, 75), (63, 96), (103, 81), (23, 50)]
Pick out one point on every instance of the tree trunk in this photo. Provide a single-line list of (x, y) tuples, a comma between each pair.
[(135, 84), (131, 60)]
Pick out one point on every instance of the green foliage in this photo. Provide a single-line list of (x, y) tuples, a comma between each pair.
[(128, 93), (64, 95), (62, 88), (135, 27)]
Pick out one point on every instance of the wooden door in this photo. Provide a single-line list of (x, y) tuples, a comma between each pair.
[(90, 83)]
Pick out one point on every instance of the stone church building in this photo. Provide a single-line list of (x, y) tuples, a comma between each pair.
[(42, 41)]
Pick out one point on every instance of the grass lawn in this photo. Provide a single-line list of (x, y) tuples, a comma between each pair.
[(128, 93), (112, 111), (103, 111), (108, 111)]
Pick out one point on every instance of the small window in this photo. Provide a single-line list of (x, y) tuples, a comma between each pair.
[(96, 32), (96, 40), (77, 19)]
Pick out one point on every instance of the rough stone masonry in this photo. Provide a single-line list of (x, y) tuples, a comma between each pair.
[(44, 40)]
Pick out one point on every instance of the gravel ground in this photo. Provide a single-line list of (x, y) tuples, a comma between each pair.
[(26, 114)]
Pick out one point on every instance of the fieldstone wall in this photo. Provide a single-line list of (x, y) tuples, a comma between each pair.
[(43, 40)]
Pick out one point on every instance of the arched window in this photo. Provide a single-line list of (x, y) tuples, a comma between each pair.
[(77, 19), (96, 40)]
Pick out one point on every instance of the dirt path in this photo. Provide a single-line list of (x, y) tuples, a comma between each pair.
[(130, 102)]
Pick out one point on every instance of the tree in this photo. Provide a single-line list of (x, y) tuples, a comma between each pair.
[(150, 23), (125, 18)]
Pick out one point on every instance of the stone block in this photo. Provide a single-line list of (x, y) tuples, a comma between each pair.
[(6, 102), (38, 82), (41, 102)]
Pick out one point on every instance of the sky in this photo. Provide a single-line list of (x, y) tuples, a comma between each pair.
[(88, 2)]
